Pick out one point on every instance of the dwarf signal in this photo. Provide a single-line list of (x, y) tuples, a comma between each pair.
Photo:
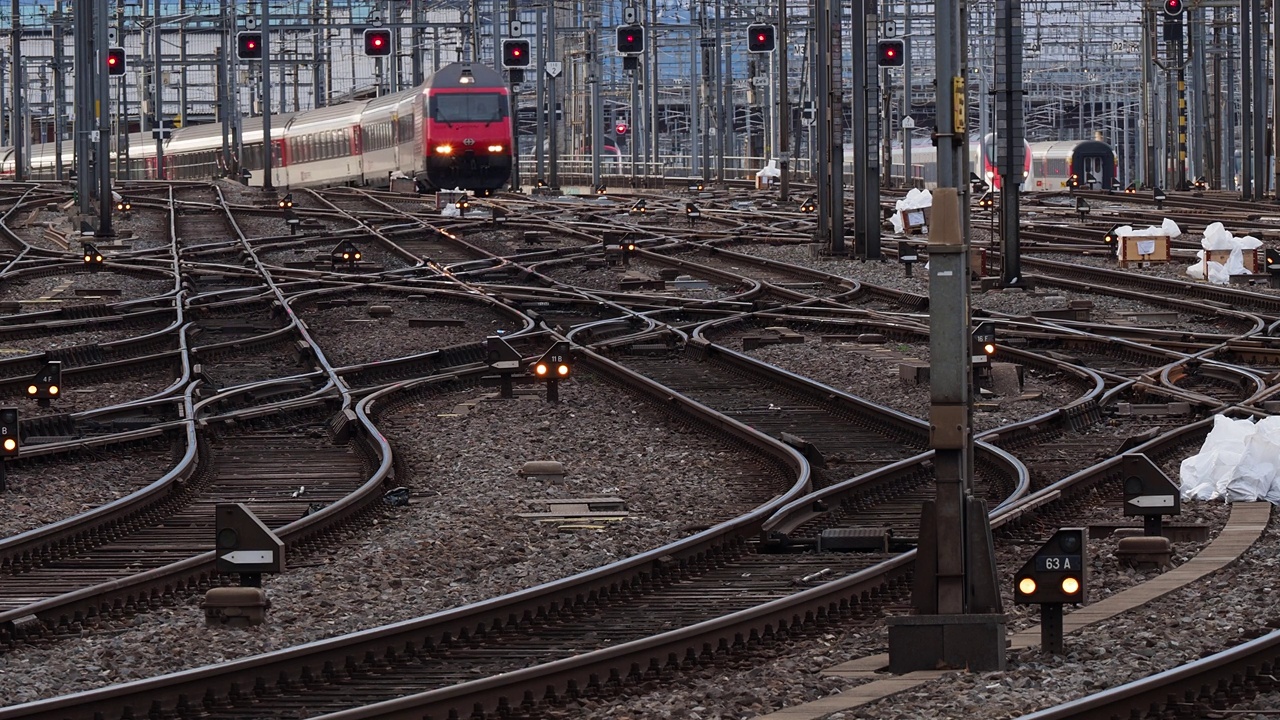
[(345, 252), (555, 365), (9, 439), (93, 258), (1057, 574), (47, 384)]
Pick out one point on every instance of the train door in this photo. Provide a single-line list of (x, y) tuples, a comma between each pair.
[(1093, 171)]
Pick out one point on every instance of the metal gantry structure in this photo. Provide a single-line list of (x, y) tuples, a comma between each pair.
[(1180, 98)]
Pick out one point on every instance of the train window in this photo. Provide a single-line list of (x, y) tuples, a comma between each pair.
[(1056, 167), (468, 107)]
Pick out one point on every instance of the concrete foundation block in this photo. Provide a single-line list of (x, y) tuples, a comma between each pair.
[(235, 606), (1145, 552), (933, 642)]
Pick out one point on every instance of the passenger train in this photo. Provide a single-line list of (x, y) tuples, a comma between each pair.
[(453, 131), (1046, 165)]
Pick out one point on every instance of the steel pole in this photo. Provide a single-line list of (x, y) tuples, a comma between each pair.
[(784, 106), (103, 125), (157, 81), (15, 117), (268, 183)]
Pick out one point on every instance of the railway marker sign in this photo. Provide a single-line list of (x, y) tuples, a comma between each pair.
[(244, 544), (553, 68), (1148, 492)]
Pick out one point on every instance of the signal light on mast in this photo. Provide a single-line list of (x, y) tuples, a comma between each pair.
[(761, 39), (1173, 8), (377, 42), (631, 39), (249, 45), (890, 53), (115, 61), (515, 53)]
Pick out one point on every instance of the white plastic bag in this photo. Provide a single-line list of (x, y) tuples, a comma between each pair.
[(1238, 462)]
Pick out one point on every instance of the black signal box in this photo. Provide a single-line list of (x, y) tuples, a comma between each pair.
[(1148, 493), (630, 39), (499, 355), (243, 544), (761, 38), (249, 45), (9, 438), (1057, 573), (47, 384), (377, 42), (555, 365)]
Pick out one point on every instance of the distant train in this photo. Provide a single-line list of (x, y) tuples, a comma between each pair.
[(454, 130), (1046, 165), (1092, 163)]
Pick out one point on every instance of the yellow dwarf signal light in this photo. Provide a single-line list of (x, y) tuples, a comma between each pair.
[(87, 258), (562, 370), (1070, 585), (32, 389), (10, 444), (1027, 586), (346, 256), (357, 255), (989, 348), (97, 258), (53, 389), (541, 369)]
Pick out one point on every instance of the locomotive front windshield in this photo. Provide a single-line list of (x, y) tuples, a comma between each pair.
[(468, 107)]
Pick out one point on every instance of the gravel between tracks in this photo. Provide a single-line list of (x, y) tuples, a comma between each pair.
[(41, 493)]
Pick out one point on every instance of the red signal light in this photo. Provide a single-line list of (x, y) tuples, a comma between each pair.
[(377, 42), (115, 61), (620, 128)]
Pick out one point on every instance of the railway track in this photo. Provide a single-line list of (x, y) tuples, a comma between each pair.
[(358, 670)]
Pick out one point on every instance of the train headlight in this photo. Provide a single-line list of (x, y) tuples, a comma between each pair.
[(495, 148), (444, 149)]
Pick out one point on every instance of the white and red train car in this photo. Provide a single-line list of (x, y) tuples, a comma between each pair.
[(452, 131)]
